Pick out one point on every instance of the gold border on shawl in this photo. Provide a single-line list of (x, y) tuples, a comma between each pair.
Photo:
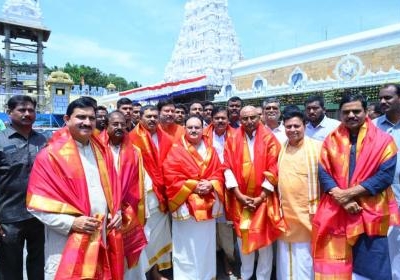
[(186, 189), (50, 205)]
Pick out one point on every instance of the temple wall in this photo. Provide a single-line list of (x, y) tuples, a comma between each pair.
[(382, 59)]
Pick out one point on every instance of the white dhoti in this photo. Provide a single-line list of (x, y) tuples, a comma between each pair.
[(139, 271), (294, 261), (264, 264), (194, 249), (159, 246)]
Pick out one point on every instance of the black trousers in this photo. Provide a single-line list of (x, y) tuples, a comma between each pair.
[(371, 257), (11, 250)]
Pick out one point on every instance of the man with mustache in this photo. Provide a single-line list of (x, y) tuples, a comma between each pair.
[(19, 145), (194, 187), (389, 97), (251, 177), (167, 123), (136, 113), (208, 107), (272, 118), (319, 125), (356, 169), (196, 108), (234, 105), (101, 119), (215, 135), (299, 194), (154, 144), (125, 106), (128, 164), (73, 189), (180, 114)]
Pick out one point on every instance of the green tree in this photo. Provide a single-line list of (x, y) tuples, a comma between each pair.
[(94, 77)]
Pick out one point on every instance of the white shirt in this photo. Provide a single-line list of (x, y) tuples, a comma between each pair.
[(279, 133), (115, 152), (218, 144), (150, 196), (62, 223), (326, 126)]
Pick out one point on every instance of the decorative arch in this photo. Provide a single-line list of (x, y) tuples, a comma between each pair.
[(297, 79), (259, 84)]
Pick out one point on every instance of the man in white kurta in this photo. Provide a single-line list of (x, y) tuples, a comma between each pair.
[(154, 145), (216, 133), (58, 226), (129, 168), (80, 122), (251, 176)]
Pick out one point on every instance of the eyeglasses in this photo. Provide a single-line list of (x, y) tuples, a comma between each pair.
[(273, 108)]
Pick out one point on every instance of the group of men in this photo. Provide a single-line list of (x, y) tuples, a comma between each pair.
[(143, 189)]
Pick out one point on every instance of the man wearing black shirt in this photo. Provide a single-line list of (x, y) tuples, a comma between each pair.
[(19, 145)]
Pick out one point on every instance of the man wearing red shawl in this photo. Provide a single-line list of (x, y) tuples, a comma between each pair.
[(128, 164), (215, 135), (193, 178), (356, 169), (73, 190), (251, 176), (167, 123), (154, 145)]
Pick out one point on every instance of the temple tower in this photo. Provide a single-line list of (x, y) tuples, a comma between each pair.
[(207, 44)]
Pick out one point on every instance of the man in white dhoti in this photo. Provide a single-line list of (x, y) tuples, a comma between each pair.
[(194, 182), (154, 145), (251, 173), (299, 194), (216, 133)]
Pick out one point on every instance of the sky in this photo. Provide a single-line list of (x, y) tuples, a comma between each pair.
[(135, 38)]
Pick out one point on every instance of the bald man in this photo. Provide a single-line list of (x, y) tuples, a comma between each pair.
[(251, 176)]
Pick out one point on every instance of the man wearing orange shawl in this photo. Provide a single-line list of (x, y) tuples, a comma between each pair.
[(356, 169), (154, 145), (215, 135), (74, 191), (251, 176), (128, 164), (194, 182), (167, 123)]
